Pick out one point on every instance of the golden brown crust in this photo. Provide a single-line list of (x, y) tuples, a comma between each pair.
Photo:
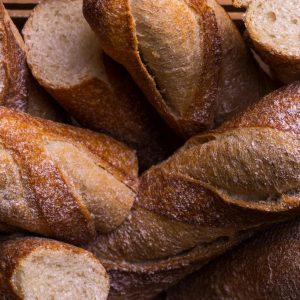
[(119, 110), (265, 267), (14, 72), (278, 110), (65, 215), (18, 89), (15, 249), (220, 186), (114, 23), (114, 106)]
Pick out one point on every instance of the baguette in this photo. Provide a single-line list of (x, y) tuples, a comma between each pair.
[(265, 267), (274, 29), (213, 192), (18, 90), (61, 181), (186, 56), (94, 89), (41, 269), (13, 67)]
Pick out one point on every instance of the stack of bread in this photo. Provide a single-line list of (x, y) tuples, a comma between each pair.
[(180, 149)]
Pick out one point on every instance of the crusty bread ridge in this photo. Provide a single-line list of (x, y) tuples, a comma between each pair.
[(265, 267), (61, 181), (219, 187), (36, 268), (274, 29), (13, 91), (94, 89), (185, 70)]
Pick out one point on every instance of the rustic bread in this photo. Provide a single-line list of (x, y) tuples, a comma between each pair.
[(41, 269), (274, 29), (187, 57), (97, 91), (216, 190), (13, 67), (18, 89), (265, 267), (61, 181)]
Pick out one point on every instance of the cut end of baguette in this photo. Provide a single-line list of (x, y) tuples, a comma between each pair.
[(275, 25), (59, 59), (60, 274)]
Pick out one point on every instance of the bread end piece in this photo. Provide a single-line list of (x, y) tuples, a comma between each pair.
[(274, 29), (36, 268)]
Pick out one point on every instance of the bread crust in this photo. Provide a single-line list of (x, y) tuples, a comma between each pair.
[(179, 210), (265, 267), (15, 249), (114, 106), (14, 70), (114, 23), (59, 209), (286, 67), (19, 91)]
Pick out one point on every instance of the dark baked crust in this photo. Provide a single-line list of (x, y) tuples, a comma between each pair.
[(225, 184), (14, 71), (265, 267)]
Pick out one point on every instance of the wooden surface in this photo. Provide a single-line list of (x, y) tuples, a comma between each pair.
[(20, 9)]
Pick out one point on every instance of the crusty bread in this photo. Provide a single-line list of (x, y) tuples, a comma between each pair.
[(97, 91), (187, 57), (18, 89), (62, 181), (13, 67), (40, 269), (265, 267), (217, 189), (274, 29)]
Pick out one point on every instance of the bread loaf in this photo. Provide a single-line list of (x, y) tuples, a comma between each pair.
[(35, 268), (18, 90), (214, 191), (265, 267), (13, 68), (187, 57), (274, 29), (97, 92), (61, 181)]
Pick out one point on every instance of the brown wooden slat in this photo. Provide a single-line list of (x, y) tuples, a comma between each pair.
[(225, 2), (21, 9), (21, 1), (22, 13), (222, 2)]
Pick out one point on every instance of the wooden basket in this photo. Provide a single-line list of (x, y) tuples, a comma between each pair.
[(21, 9)]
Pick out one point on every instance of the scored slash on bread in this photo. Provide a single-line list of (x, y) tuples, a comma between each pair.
[(265, 267), (63, 181), (66, 58), (186, 56), (218, 188), (36, 268), (274, 29)]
